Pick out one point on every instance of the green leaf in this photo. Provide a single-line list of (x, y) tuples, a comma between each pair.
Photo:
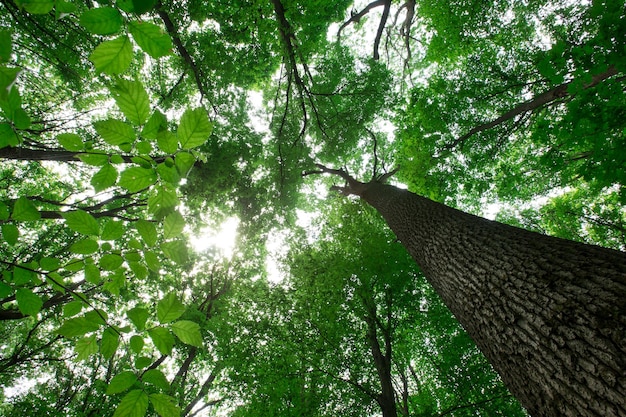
[(135, 179), (8, 76), (28, 302), (23, 276), (142, 362), (138, 316), (188, 332), (86, 347), (162, 203), (148, 231), (109, 343), (156, 378), (176, 251), (136, 343), (162, 339), (168, 173), (25, 210), (10, 233), (164, 405), (167, 141), (121, 382), (115, 132), (156, 123), (94, 159), (71, 142), (154, 41), (194, 129), (82, 222), (143, 6), (169, 308), (77, 327), (184, 162), (134, 404), (132, 99), (113, 230), (92, 274), (49, 264), (173, 225), (85, 247), (111, 262), (104, 178), (5, 290), (102, 20), (36, 6), (113, 57), (72, 308), (138, 269), (5, 46), (7, 134), (4, 211), (152, 261), (144, 148)]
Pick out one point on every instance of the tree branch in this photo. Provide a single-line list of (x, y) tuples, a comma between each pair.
[(558, 92), (356, 17), (381, 28)]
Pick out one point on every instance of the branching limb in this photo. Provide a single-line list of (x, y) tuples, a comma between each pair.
[(356, 17), (381, 28), (546, 98)]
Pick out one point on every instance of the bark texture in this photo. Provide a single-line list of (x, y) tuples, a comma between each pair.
[(549, 314)]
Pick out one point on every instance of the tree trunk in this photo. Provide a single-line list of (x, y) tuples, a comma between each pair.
[(549, 314)]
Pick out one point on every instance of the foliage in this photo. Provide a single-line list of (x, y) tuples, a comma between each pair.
[(127, 127)]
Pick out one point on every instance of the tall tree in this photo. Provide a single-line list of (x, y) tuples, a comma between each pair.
[(549, 314)]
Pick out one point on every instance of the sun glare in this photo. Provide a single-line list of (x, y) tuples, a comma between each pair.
[(222, 240)]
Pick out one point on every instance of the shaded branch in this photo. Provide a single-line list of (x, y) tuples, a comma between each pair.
[(381, 28), (356, 17), (548, 97)]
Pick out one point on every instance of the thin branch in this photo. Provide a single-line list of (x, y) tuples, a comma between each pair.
[(356, 17), (381, 28), (548, 97)]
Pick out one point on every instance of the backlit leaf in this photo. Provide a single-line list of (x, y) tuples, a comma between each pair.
[(77, 327), (176, 251), (82, 222), (102, 20), (132, 99), (173, 225), (113, 57), (115, 132), (188, 332), (135, 179), (25, 210), (28, 302), (71, 142), (169, 308), (194, 128), (164, 405), (104, 178), (134, 404), (10, 233), (162, 339), (148, 231), (86, 347), (138, 316), (109, 343), (121, 382), (151, 38)]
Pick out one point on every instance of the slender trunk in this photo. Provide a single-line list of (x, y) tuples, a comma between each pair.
[(382, 360), (549, 314)]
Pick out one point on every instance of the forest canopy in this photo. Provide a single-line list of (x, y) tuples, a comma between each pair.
[(131, 129)]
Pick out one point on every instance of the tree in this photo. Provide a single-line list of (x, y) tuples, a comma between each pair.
[(548, 313), (127, 127)]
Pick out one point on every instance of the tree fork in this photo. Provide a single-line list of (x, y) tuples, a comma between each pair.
[(548, 313)]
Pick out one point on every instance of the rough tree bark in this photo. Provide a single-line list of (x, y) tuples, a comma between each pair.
[(549, 314)]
